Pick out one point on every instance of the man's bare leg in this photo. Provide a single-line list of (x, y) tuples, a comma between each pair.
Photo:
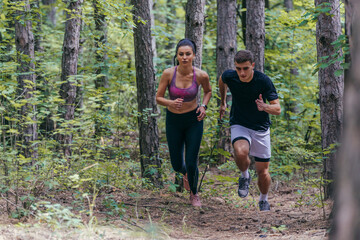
[(241, 150), (264, 181)]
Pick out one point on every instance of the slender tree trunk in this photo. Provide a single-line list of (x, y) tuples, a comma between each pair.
[(331, 88), (349, 16), (267, 4), (47, 124), (170, 27), (102, 81), (194, 26), (145, 81), (69, 68), (348, 163), (24, 40), (225, 50), (255, 31), (289, 6), (51, 12), (243, 21), (153, 39), (38, 28)]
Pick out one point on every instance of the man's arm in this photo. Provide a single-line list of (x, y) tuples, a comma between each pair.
[(272, 108), (223, 92)]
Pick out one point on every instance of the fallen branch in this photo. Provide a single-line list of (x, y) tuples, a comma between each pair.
[(206, 168)]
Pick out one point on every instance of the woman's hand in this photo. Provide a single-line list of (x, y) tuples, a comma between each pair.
[(177, 103), (202, 113)]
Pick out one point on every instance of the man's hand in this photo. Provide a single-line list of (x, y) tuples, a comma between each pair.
[(261, 105), (222, 110)]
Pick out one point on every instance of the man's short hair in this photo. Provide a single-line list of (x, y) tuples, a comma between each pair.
[(244, 56)]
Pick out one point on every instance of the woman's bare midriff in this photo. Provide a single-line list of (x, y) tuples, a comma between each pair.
[(186, 107)]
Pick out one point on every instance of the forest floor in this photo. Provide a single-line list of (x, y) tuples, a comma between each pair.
[(162, 214)]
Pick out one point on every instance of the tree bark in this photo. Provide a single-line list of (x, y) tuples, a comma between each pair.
[(349, 15), (24, 40), (51, 12), (153, 39), (331, 89), (348, 178), (225, 50), (145, 82), (38, 29), (69, 65), (170, 27), (243, 21), (289, 6), (255, 31), (194, 26)]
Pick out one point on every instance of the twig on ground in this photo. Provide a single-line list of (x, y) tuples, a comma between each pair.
[(206, 168)]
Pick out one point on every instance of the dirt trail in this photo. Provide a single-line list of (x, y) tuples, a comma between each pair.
[(218, 220), (166, 215)]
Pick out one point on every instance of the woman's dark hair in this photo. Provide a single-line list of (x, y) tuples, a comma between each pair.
[(244, 56), (184, 42)]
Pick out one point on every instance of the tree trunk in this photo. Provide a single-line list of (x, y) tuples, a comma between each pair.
[(289, 6), (153, 39), (145, 81), (225, 51), (102, 81), (51, 12), (255, 31), (348, 164), (243, 21), (24, 40), (348, 31), (46, 126), (267, 4), (331, 89), (38, 29), (194, 26), (170, 27), (69, 68)]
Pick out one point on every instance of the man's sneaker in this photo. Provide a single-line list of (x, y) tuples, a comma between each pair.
[(186, 182), (264, 206), (244, 183), (195, 200)]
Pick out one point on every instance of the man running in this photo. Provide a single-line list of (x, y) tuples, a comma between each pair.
[(249, 121)]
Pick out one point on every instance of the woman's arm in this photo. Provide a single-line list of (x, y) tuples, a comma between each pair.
[(163, 84), (205, 84)]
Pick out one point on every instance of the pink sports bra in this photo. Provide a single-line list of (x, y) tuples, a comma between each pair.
[(188, 94)]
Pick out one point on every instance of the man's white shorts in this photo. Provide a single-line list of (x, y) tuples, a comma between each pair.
[(259, 141)]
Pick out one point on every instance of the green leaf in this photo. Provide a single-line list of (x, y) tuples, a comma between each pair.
[(339, 72)]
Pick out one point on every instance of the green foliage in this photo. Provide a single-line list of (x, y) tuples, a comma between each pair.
[(341, 48), (56, 216), (313, 13)]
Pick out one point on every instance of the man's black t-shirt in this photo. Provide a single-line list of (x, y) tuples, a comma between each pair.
[(244, 111)]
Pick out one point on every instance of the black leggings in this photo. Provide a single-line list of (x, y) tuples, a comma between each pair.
[(184, 130)]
